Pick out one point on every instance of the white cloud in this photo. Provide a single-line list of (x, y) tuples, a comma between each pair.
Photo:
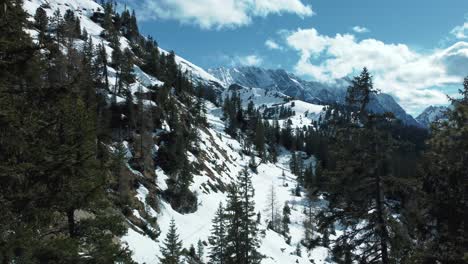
[(249, 60), (271, 44), (359, 29), (460, 32), (209, 14), (410, 76)]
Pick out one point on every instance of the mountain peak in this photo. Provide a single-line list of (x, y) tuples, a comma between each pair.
[(432, 114)]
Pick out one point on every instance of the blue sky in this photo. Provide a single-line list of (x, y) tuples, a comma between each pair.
[(416, 49)]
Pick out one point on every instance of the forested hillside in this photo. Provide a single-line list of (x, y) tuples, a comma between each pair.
[(113, 150)]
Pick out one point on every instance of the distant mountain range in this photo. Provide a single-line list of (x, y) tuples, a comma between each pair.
[(432, 114), (309, 91)]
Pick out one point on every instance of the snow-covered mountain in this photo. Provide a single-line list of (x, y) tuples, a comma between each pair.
[(432, 114), (309, 91)]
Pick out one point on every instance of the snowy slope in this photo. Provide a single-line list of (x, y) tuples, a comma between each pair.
[(267, 100), (195, 226), (260, 97), (304, 113), (221, 160), (84, 9), (198, 73)]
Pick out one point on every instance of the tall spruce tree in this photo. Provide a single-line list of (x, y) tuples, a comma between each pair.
[(358, 185), (217, 239), (445, 178), (171, 249), (286, 219)]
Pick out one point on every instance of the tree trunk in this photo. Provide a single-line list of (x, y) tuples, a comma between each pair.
[(71, 222), (382, 227)]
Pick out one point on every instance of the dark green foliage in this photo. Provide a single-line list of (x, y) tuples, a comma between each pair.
[(54, 187), (296, 164), (444, 176), (309, 178), (71, 27), (200, 249), (41, 22), (171, 249), (217, 239), (126, 73), (358, 186), (242, 238), (286, 220)]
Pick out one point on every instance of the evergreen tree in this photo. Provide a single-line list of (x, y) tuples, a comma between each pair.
[(242, 240), (286, 219), (118, 165), (358, 185), (200, 250), (126, 73), (445, 178), (217, 239), (152, 63), (41, 22), (309, 178), (172, 246), (44, 105), (298, 250), (260, 137), (234, 220)]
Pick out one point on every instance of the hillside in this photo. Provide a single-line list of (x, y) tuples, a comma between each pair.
[(114, 150), (220, 158)]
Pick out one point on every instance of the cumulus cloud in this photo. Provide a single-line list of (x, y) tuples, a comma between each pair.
[(249, 60), (271, 44), (460, 32), (359, 29), (209, 14), (412, 77)]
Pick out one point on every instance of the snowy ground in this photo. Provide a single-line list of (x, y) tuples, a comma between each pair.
[(196, 226)]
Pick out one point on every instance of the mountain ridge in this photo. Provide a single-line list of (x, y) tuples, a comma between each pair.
[(309, 91)]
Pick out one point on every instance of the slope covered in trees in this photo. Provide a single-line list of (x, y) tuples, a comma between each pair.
[(108, 145)]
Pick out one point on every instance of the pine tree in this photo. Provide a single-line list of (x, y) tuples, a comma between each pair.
[(360, 92), (152, 63), (260, 138), (242, 240), (200, 250), (172, 246), (298, 250), (41, 22), (100, 66), (126, 73), (309, 178), (234, 220), (59, 175), (286, 219), (118, 165), (444, 176), (57, 26), (217, 239), (293, 163), (250, 242), (358, 186)]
